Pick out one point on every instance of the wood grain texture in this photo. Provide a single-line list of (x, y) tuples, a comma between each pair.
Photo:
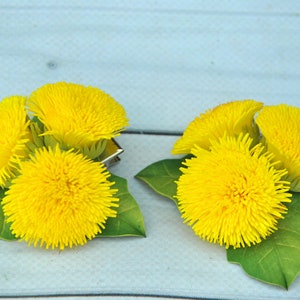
[(165, 63), (171, 262)]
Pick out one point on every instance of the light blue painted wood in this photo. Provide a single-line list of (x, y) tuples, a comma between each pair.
[(171, 261), (165, 61), (165, 64)]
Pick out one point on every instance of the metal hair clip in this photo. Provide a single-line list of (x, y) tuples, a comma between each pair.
[(110, 156)]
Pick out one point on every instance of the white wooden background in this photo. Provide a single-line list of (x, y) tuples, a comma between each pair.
[(165, 61)]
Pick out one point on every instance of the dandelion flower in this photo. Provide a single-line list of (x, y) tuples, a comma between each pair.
[(77, 116), (15, 134), (60, 199), (280, 127), (230, 118), (233, 194)]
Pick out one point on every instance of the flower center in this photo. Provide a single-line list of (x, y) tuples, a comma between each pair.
[(239, 196)]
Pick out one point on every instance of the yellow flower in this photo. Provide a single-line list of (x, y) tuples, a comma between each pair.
[(77, 116), (233, 194), (15, 135), (60, 199), (280, 127), (230, 118)]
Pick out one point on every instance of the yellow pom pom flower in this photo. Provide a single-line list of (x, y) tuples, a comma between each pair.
[(60, 199), (230, 118), (77, 116), (15, 135), (233, 194), (280, 127)]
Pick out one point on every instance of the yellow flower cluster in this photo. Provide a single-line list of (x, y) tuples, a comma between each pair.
[(57, 195), (233, 187), (77, 117), (15, 133)]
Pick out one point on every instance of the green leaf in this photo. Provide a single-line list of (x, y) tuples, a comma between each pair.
[(129, 220), (277, 259), (5, 232), (161, 176)]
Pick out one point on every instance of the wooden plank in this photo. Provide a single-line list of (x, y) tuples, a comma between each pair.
[(171, 261), (164, 65), (188, 6)]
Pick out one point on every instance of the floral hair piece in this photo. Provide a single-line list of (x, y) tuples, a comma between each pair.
[(56, 190), (237, 185)]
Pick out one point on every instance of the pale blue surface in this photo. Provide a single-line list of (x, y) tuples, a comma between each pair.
[(165, 61)]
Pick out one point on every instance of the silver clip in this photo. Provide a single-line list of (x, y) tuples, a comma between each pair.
[(110, 156)]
